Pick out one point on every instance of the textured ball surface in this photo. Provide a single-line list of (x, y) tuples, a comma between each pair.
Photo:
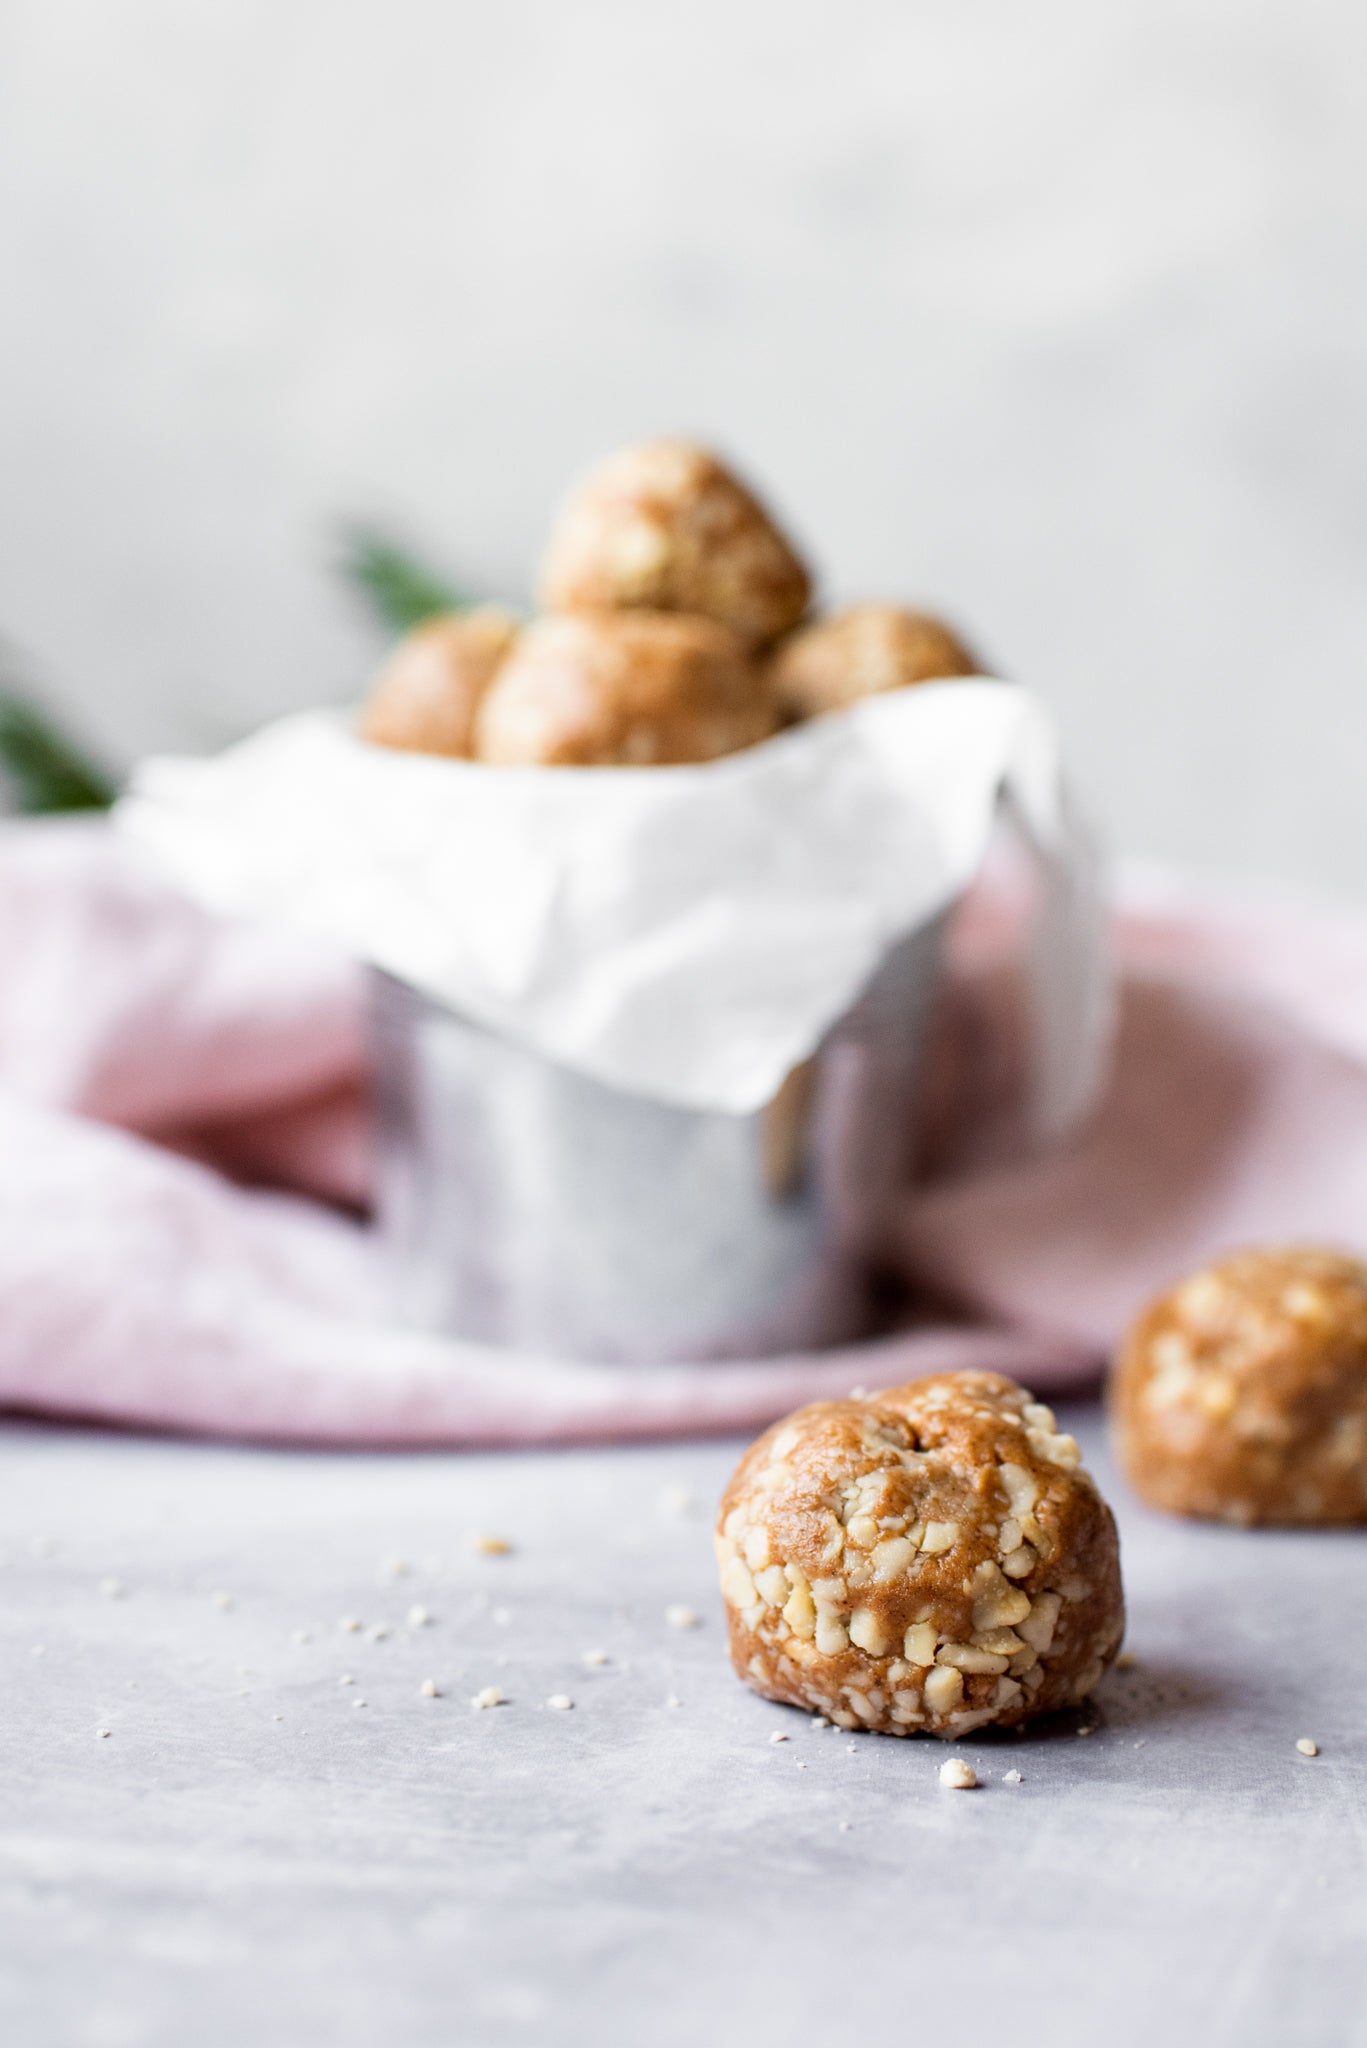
[(1242, 1394), (862, 652), (664, 526), (930, 1559), (425, 697), (631, 689)]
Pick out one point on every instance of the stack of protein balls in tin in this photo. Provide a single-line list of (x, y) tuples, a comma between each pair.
[(675, 628), (932, 1558)]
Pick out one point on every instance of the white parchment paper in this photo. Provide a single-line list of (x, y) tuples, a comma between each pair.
[(687, 933)]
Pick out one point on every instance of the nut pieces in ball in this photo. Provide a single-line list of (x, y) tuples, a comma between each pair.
[(425, 697), (930, 1559), (627, 689), (862, 652), (1241, 1394), (665, 527)]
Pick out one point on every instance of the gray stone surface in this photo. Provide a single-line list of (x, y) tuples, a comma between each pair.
[(251, 1856)]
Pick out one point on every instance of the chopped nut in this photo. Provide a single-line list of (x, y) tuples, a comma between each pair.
[(1038, 1625), (772, 1585), (778, 1736), (963, 1657), (102, 1734), (737, 1586), (681, 1616), (429, 1689), (957, 1775), (939, 1537), (561, 1702), (831, 1637), (944, 1688), (346, 1679), (490, 1696), (866, 1631), (1307, 1746), (1012, 1778), (892, 1557), (918, 1645)]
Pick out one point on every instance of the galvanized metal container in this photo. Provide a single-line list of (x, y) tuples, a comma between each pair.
[(527, 1205)]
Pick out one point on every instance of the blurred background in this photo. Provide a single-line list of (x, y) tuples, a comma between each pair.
[(1055, 317)]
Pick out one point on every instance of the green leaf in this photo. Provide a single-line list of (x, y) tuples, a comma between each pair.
[(44, 769), (401, 590)]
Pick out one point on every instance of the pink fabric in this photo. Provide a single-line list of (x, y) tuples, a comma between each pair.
[(158, 1065)]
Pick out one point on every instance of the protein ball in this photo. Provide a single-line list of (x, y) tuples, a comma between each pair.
[(1241, 1395), (664, 526), (862, 652), (425, 697), (930, 1559), (631, 689)]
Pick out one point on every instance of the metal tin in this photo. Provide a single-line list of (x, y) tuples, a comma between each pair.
[(527, 1205)]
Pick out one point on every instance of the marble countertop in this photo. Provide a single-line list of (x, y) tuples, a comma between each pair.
[(259, 1852)]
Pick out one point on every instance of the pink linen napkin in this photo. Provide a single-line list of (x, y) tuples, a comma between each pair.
[(183, 1163)]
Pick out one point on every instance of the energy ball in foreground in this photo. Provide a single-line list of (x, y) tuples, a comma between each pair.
[(664, 526), (1241, 1395), (862, 652), (926, 1560), (632, 689), (425, 697)]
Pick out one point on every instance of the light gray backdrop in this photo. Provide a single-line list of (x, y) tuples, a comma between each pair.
[(1056, 315)]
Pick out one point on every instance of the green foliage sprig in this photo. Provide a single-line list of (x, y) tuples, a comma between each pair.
[(44, 770), (401, 589)]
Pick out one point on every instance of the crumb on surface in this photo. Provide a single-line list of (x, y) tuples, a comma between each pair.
[(488, 1696), (680, 1615), (1012, 1778), (561, 1702), (429, 1689), (596, 1657), (778, 1736), (1308, 1746), (491, 1546), (349, 1625), (957, 1775), (418, 1616)]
